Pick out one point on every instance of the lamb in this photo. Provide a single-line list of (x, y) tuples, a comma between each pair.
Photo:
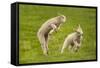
[(50, 26), (73, 40)]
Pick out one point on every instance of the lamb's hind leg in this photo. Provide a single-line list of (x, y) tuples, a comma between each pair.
[(64, 46), (46, 42), (43, 43)]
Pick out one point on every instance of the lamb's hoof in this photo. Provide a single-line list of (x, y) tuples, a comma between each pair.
[(46, 54)]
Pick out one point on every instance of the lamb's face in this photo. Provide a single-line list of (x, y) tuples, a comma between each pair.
[(63, 18)]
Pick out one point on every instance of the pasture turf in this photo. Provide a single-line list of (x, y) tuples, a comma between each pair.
[(31, 17)]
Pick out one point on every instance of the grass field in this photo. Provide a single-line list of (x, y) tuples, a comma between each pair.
[(32, 17)]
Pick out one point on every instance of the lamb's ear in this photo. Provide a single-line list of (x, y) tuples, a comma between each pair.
[(76, 29), (79, 29)]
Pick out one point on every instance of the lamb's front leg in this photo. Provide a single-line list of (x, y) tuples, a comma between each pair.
[(70, 48), (76, 46), (54, 29), (50, 33)]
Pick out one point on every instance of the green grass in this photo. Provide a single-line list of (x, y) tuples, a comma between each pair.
[(32, 17)]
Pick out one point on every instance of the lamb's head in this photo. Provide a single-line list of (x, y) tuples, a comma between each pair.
[(62, 17), (79, 34)]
